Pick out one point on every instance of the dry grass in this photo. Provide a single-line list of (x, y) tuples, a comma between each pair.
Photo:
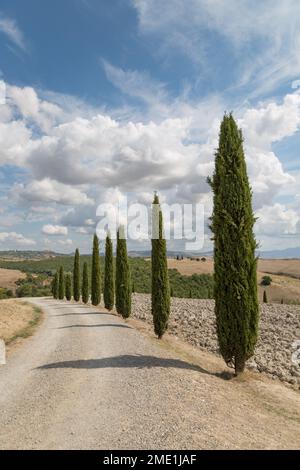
[(17, 320), (8, 277), (285, 275)]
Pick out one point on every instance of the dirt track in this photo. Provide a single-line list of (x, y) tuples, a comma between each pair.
[(89, 380)]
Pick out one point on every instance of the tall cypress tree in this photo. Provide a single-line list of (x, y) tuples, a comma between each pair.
[(55, 286), (160, 292), (235, 287), (76, 276), (68, 286), (61, 288), (95, 287), (85, 284), (108, 293), (123, 278)]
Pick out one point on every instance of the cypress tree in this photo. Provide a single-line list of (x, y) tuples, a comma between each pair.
[(55, 286), (123, 278), (281, 301), (109, 275), (68, 286), (160, 292), (235, 287), (265, 298), (85, 284), (76, 276), (95, 287), (61, 282)]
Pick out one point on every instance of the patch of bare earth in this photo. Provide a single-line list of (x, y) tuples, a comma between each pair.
[(17, 320), (8, 278)]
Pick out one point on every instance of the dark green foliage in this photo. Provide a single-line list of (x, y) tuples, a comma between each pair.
[(68, 286), (96, 279), (191, 294), (76, 276), (109, 287), (85, 284), (265, 297), (133, 288), (123, 277), (61, 284), (160, 292), (54, 287), (6, 293), (266, 281), (235, 289), (140, 273), (35, 286), (281, 301)]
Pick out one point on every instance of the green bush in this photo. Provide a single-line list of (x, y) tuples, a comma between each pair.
[(266, 281)]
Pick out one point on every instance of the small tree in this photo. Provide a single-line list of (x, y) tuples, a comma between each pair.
[(68, 286), (123, 278), (160, 293), (266, 281), (281, 301), (95, 287), (109, 287), (85, 284), (76, 276), (235, 286), (61, 289), (265, 298), (55, 286)]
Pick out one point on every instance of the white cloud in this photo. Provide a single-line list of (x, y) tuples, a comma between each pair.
[(277, 220), (10, 238), (67, 242), (10, 28), (54, 230), (47, 190)]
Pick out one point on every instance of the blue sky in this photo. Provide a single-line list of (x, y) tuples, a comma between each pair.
[(114, 97)]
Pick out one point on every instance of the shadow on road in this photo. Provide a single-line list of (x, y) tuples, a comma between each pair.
[(115, 325), (125, 361), (80, 313)]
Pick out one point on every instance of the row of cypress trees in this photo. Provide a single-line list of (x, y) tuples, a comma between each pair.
[(235, 262)]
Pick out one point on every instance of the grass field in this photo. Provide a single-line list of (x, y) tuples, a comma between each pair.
[(17, 320)]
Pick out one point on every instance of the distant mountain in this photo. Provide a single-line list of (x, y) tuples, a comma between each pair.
[(17, 255), (288, 253)]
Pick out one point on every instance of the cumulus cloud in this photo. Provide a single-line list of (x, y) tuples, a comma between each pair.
[(11, 238), (47, 190), (54, 230)]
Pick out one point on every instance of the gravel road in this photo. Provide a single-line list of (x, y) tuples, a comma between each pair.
[(89, 380)]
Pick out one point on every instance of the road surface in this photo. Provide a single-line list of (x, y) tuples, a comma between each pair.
[(89, 380)]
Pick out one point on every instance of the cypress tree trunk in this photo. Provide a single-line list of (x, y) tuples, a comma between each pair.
[(123, 278), (85, 284), (76, 276), (160, 293), (68, 285), (109, 275), (235, 287), (96, 292), (265, 298), (55, 286), (61, 289)]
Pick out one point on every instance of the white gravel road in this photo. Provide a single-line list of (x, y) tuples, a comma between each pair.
[(88, 380)]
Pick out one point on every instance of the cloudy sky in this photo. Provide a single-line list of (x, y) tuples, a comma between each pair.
[(105, 98)]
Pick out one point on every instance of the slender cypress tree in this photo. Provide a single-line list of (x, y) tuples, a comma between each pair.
[(85, 284), (68, 286), (61, 288), (55, 286), (109, 287), (95, 287), (123, 278), (235, 287), (265, 298), (160, 293), (76, 276)]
